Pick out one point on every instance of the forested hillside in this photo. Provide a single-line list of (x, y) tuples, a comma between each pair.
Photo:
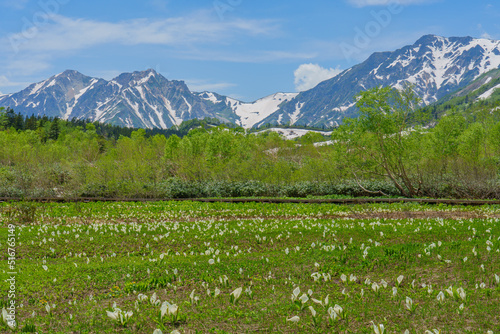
[(392, 149)]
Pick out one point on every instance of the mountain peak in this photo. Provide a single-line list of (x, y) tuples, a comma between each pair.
[(69, 74), (146, 73), (431, 39), (138, 78), (435, 65), (428, 39)]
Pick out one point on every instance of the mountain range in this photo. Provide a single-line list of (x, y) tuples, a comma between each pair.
[(436, 66)]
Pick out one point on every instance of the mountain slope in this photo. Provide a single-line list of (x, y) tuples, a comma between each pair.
[(52, 97), (248, 114), (482, 92), (139, 99), (435, 65), (484, 88)]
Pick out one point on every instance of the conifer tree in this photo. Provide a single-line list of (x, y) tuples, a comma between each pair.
[(54, 129)]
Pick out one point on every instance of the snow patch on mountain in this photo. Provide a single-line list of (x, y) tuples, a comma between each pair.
[(293, 133), (488, 93), (36, 88), (70, 107), (295, 116), (251, 113), (33, 105), (146, 78), (208, 96), (172, 114), (437, 66), (140, 89), (100, 111), (190, 107), (113, 82), (159, 114), (442, 62)]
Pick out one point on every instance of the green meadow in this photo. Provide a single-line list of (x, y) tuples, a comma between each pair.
[(250, 268)]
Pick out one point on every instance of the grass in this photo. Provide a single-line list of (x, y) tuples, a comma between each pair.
[(82, 258)]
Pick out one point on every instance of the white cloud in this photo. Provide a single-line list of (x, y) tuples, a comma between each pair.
[(308, 76), (250, 56), (161, 5), (15, 4), (364, 3), (68, 34), (27, 65), (10, 86), (194, 35), (5, 82), (486, 35), (198, 85)]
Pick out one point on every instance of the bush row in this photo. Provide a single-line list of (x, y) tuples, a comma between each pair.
[(177, 188)]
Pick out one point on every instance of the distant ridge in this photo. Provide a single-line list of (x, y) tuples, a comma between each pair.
[(437, 66)]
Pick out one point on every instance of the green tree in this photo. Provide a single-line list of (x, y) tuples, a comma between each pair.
[(472, 143), (172, 147), (54, 129), (4, 121), (384, 139), (445, 136)]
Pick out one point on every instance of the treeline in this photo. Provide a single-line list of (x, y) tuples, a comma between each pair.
[(392, 149), (80, 163), (462, 104), (48, 127)]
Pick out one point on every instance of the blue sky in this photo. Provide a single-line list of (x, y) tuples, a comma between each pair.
[(246, 49)]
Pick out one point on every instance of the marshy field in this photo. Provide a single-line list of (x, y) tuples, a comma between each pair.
[(249, 268)]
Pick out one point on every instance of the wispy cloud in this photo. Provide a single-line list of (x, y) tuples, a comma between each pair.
[(7, 83), (15, 4), (200, 85), (161, 5), (196, 35), (483, 32), (365, 3), (68, 34), (250, 56), (28, 64), (329, 50), (308, 76)]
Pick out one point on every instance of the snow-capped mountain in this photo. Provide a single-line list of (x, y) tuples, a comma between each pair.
[(436, 66), (248, 114), (485, 87), (139, 99), (52, 97), (482, 88)]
